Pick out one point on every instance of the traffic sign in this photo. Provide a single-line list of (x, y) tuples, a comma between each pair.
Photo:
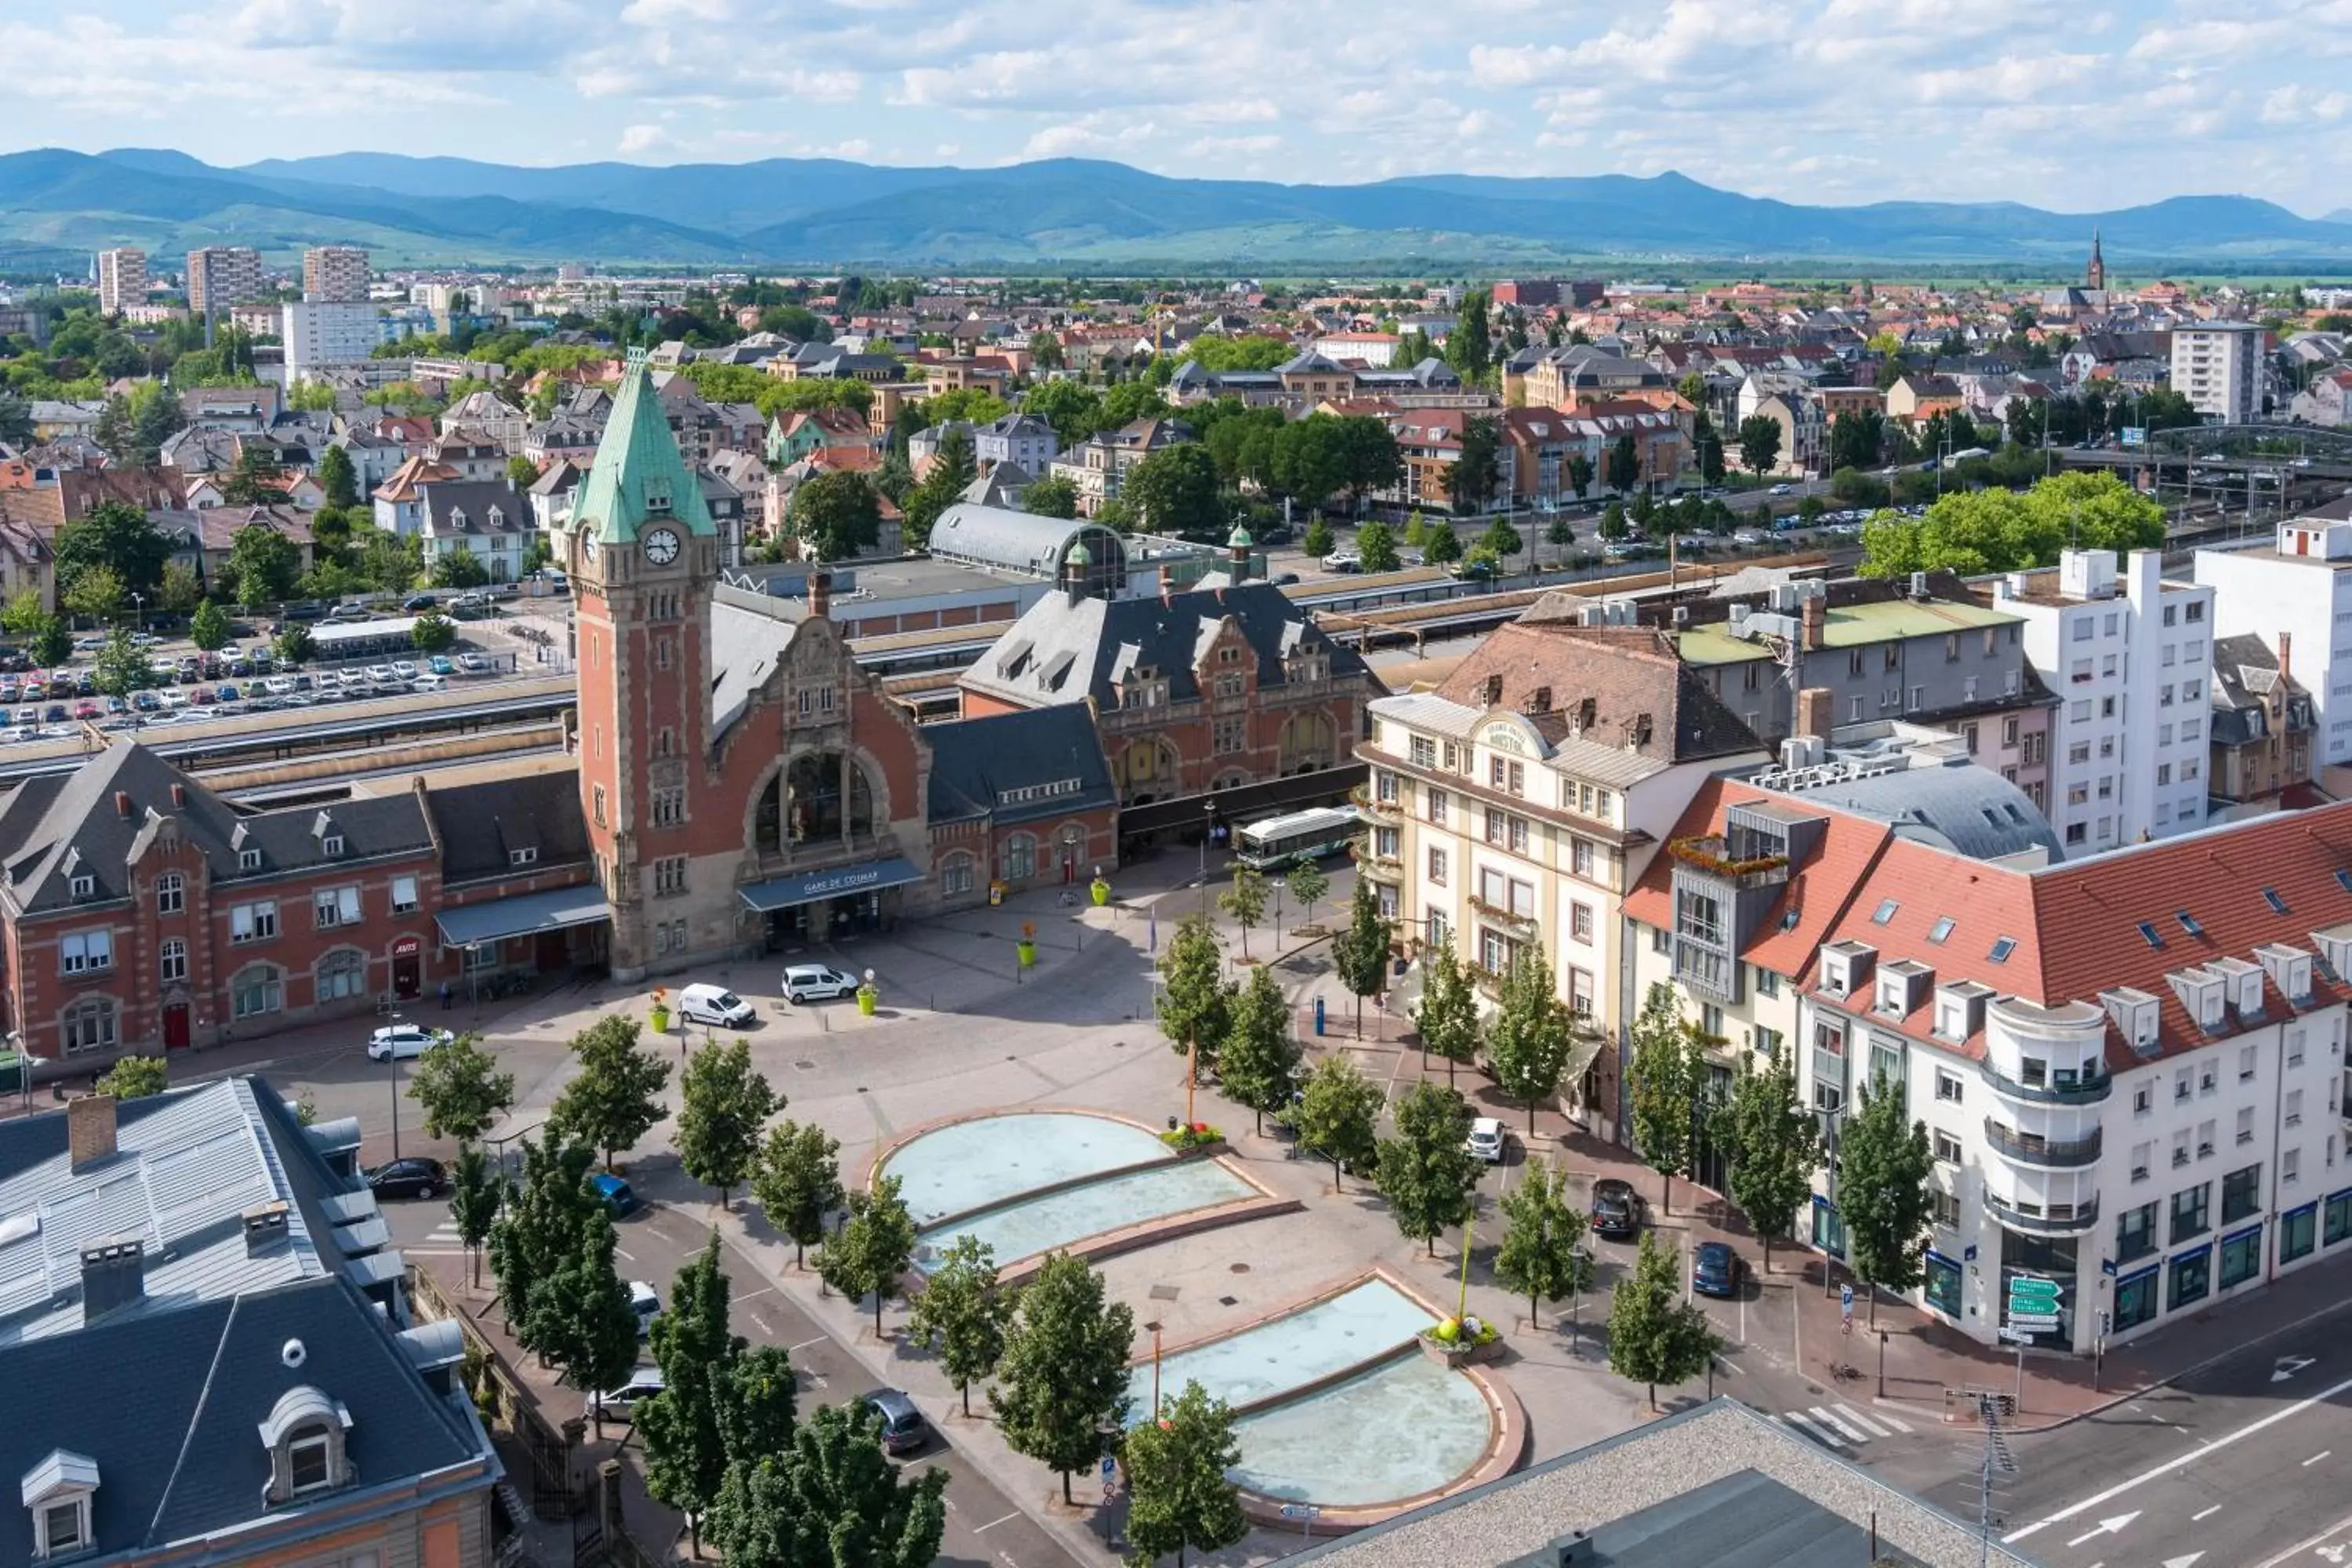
[(2035, 1322), (2016, 1336), (1845, 1299), (2030, 1295), (2135, 435), (1300, 1511), (1109, 1466)]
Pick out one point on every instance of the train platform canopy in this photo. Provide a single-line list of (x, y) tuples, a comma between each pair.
[(525, 914)]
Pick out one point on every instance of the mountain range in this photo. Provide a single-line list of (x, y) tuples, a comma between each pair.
[(56, 205)]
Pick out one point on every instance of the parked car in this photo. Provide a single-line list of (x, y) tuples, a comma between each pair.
[(645, 1302), (715, 1005), (618, 1197), (411, 1178), (1616, 1208), (904, 1430), (415, 601), (402, 1041), (643, 1384), (1716, 1269), (473, 664), (1341, 560), (1485, 1140), (817, 983)]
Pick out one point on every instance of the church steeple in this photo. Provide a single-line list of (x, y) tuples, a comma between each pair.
[(2095, 275)]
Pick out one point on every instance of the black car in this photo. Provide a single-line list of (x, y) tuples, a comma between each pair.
[(903, 1428), (412, 1178), (1616, 1209), (1716, 1269), (417, 601)]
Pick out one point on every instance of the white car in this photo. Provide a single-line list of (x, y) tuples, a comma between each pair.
[(817, 983), (350, 678), (645, 1302), (403, 670), (473, 664), (1485, 1140), (278, 685), (1779, 490), (643, 1384), (715, 1005), (381, 674), (401, 1041)]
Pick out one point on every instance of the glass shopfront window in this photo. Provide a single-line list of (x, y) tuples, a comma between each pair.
[(1943, 1285), (2136, 1299), (2298, 1233), (2190, 1278)]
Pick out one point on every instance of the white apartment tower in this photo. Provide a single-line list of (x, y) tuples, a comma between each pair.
[(334, 274), (2299, 589), (324, 332), (2217, 365), (220, 276), (2129, 658), (122, 280)]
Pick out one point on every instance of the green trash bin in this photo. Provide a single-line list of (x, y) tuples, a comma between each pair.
[(12, 1072)]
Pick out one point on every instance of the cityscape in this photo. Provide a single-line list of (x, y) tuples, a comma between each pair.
[(912, 850)]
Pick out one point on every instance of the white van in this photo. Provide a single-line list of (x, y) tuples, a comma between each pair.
[(714, 1004)]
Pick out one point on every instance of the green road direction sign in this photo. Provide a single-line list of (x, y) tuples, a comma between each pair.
[(2033, 1303)]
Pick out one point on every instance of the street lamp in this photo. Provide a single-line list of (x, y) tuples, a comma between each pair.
[(138, 610), (391, 1072), (1208, 831)]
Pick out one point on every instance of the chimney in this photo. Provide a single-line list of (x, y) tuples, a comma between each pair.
[(2286, 650), (264, 1227), (113, 1275), (1816, 616), (1813, 711), (1167, 586), (820, 594), (122, 804), (90, 1130)]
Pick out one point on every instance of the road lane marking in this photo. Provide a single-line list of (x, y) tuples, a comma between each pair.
[(626, 1253), (1797, 1419), (1864, 1422), (1828, 1418), (1897, 1422), (2178, 1462), (765, 1327), (2200, 1518), (805, 1343), (2317, 1457), (991, 1524), (2311, 1544)]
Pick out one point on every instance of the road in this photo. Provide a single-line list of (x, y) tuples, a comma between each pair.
[(2244, 1464), (984, 1529)]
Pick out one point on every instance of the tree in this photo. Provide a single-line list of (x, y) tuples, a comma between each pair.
[(1257, 1063), (1528, 1041), (1470, 345), (1429, 1178), (952, 469), (1773, 1144), (1174, 491), (294, 644), (96, 592), (1440, 544), (836, 514), (831, 1499), (1668, 1073), (52, 643), (1579, 474), (1245, 900), (1053, 496), (16, 418), (798, 1182), (135, 1078), (1338, 1115), (1543, 1256), (1063, 1369), (1653, 1336), (1195, 1001), (266, 564), (615, 1097), (1620, 465), (476, 1189), (540, 1224), (253, 479), (208, 627), (434, 632), (461, 1089), (339, 479), (726, 1102), (122, 666), (1856, 438), (1180, 1495), (1478, 468), (868, 1254), (1501, 539), (1376, 547), (1416, 532), (1886, 1192), (459, 568), (962, 1313), (681, 1427), (1359, 955), (580, 1318), (1759, 443), (118, 537), (2007, 531), (1447, 1017), (1317, 542), (761, 1403), (1708, 446), (1308, 885), (24, 615), (1073, 408), (521, 472)]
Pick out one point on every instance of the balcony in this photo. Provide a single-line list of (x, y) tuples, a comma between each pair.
[(1364, 800), (2086, 1090), (2046, 1153), (1712, 856), (2082, 1219)]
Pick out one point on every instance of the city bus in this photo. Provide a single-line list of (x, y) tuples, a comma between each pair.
[(1297, 837)]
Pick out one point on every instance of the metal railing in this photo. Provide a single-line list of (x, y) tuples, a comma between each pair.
[(2082, 1217), (2088, 1091), (2052, 1153)]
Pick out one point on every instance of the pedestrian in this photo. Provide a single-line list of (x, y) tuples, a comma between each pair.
[(446, 999)]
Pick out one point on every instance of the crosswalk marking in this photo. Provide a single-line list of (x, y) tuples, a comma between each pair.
[(1842, 1426), (1798, 1420), (1893, 1421), (1830, 1418)]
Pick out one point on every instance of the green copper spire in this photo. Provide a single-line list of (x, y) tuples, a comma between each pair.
[(639, 475)]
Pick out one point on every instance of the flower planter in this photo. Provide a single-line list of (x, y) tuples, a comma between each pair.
[(1028, 952), (1101, 891), (1460, 1353), (867, 1000), (661, 1019)]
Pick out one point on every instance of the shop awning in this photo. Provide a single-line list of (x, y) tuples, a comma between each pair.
[(525, 914), (866, 877)]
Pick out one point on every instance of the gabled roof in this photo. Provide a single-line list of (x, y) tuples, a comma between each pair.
[(638, 450), (1018, 767), (480, 825), (1630, 673), (464, 506)]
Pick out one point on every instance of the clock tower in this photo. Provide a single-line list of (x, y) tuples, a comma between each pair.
[(643, 555)]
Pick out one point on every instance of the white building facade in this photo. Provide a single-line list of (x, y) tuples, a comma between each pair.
[(321, 333), (2128, 656), (2218, 366), (2297, 593)]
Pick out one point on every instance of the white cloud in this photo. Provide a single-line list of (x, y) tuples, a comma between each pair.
[(636, 139)]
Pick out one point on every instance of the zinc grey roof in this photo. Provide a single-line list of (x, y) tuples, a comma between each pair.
[(1966, 809), (1430, 714), (80, 828), (170, 1407), (480, 824), (1018, 767), (747, 643), (445, 501), (998, 539)]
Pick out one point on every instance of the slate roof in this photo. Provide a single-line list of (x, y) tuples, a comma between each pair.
[(1628, 673), (446, 501), (2245, 675), (977, 763), (1060, 651), (479, 825), (637, 446), (74, 825), (170, 1407)]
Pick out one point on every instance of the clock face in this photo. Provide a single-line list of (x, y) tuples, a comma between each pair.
[(661, 547), (588, 545)]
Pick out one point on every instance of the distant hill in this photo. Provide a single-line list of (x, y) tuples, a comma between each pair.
[(1072, 211)]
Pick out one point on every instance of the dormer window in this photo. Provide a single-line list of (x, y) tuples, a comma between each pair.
[(83, 886), (523, 856), (658, 495), (310, 1461), (57, 1491), (333, 845), (305, 1434), (248, 859)]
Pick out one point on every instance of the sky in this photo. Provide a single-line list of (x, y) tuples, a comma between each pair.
[(1814, 101)]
